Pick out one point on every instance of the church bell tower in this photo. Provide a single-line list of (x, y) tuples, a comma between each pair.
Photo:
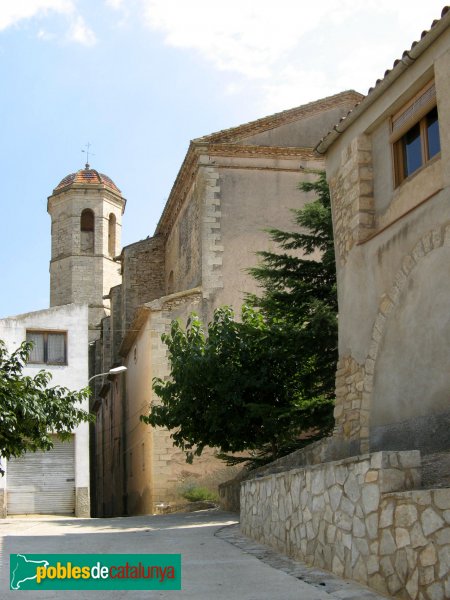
[(86, 209)]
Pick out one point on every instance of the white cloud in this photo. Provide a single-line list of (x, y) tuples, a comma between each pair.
[(283, 52), (293, 87), (291, 52), (246, 37), (79, 32), (232, 88), (116, 4), (13, 11), (45, 35), (124, 10)]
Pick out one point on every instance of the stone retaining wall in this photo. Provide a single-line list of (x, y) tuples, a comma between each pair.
[(229, 491), (321, 451), (356, 517)]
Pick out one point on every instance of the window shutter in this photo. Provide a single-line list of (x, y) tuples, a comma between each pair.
[(413, 112)]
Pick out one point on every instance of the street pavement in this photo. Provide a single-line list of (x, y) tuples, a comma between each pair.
[(218, 563)]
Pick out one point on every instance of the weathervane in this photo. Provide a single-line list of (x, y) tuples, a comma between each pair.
[(88, 145)]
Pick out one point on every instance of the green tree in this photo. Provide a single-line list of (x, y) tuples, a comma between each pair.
[(299, 292), (30, 411), (236, 387), (265, 383)]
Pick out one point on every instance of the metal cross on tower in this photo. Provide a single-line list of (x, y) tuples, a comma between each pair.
[(88, 145)]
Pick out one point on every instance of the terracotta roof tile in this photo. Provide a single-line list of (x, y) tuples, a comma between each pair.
[(413, 45), (234, 134), (404, 59), (87, 176)]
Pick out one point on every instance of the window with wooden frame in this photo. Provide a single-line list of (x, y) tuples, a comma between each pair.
[(415, 134), (49, 347)]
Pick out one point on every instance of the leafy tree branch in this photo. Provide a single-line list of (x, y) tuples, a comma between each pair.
[(30, 410)]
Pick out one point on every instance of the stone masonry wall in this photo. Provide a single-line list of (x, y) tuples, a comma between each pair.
[(352, 197), (116, 323), (356, 517), (212, 248), (327, 449), (105, 344), (143, 276), (312, 454), (351, 410), (415, 544)]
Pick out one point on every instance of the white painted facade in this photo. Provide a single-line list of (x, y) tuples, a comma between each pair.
[(72, 319)]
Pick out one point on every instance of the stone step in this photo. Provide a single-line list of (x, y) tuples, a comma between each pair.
[(436, 470)]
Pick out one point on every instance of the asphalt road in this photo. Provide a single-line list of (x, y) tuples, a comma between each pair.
[(217, 562)]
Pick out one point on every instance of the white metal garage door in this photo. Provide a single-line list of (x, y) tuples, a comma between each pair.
[(42, 482)]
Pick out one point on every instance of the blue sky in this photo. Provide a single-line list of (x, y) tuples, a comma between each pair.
[(139, 78)]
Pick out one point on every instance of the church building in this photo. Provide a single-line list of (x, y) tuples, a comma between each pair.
[(231, 186)]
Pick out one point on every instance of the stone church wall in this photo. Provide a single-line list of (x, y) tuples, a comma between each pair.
[(306, 131), (142, 276), (183, 261), (243, 199)]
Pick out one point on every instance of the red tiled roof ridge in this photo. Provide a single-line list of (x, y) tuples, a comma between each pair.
[(286, 116), (87, 176)]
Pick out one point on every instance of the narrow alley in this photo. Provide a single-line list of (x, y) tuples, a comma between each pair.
[(218, 563)]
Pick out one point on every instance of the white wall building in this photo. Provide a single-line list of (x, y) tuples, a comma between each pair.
[(54, 482)]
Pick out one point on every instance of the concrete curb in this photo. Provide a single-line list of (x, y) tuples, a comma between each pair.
[(336, 587)]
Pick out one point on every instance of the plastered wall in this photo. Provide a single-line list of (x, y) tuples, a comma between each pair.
[(392, 263)]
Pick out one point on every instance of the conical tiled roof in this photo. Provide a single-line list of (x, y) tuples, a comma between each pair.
[(87, 176)]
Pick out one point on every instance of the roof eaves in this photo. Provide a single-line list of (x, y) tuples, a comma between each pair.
[(275, 120), (191, 162), (390, 75), (186, 171)]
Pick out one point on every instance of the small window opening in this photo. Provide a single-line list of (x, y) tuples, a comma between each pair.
[(87, 225), (112, 235), (170, 284)]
